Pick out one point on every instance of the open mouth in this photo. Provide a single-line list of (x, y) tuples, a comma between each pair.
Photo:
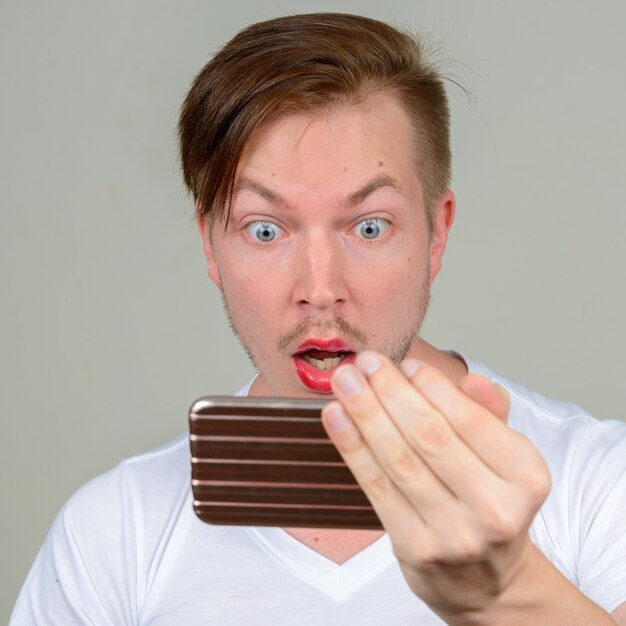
[(324, 360), (316, 360)]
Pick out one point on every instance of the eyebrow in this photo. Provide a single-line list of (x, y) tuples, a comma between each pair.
[(247, 184), (377, 183), (354, 199)]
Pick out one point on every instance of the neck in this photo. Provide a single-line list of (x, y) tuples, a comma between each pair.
[(454, 367), (337, 545)]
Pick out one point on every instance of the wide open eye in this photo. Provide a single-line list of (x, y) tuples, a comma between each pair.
[(371, 228), (264, 231)]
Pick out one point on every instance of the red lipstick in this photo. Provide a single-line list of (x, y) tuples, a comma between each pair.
[(311, 376)]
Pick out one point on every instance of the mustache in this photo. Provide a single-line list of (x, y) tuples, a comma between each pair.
[(305, 328)]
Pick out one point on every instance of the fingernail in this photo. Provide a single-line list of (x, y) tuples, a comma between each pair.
[(409, 366), (347, 381), (337, 419), (368, 363)]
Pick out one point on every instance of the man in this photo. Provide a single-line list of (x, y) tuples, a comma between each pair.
[(317, 150)]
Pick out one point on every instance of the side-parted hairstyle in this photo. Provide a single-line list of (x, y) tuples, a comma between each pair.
[(307, 64)]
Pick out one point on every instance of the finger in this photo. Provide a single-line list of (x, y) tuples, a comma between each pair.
[(488, 394), (393, 454), (430, 434), (411, 535), (508, 453), (396, 513)]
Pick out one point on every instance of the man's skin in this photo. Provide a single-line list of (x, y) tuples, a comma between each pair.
[(455, 487)]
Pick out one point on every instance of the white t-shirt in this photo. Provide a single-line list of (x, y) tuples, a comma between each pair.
[(127, 548)]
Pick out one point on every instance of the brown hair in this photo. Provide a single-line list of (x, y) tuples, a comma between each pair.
[(305, 63)]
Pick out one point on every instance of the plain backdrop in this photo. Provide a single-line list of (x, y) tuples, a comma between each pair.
[(110, 327)]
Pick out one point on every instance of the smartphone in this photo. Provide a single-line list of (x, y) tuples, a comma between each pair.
[(269, 462)]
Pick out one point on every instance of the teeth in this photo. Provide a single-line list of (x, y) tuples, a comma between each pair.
[(326, 364)]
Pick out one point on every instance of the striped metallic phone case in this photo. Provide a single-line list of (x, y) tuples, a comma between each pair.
[(269, 462)]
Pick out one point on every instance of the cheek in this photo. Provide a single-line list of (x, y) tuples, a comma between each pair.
[(256, 275), (393, 291), (252, 293), (394, 274)]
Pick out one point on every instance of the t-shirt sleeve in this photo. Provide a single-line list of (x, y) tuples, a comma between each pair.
[(598, 513), (83, 573)]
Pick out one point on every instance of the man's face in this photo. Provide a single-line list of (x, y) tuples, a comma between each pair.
[(327, 251)]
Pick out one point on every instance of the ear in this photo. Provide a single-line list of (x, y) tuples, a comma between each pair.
[(443, 216), (209, 252)]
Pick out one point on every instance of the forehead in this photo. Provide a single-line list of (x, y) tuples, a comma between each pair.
[(345, 142)]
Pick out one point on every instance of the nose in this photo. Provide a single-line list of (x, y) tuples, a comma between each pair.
[(319, 266)]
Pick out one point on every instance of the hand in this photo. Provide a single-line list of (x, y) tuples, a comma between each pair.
[(455, 487)]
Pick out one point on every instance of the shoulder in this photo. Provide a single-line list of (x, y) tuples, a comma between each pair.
[(91, 563), (539, 416), (146, 480), (578, 448)]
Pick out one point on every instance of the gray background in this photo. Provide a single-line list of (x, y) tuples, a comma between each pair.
[(110, 327)]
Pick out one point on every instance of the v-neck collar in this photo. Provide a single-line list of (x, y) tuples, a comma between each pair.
[(332, 579), (337, 581)]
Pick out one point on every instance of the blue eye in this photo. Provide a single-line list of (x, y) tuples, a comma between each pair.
[(372, 228), (263, 231)]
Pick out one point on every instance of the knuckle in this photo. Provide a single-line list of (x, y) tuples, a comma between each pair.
[(376, 486), (471, 420), (404, 466), (502, 525), (420, 557), (532, 474), (432, 435), (539, 483), (468, 546)]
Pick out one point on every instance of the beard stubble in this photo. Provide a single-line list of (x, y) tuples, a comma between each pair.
[(396, 349)]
